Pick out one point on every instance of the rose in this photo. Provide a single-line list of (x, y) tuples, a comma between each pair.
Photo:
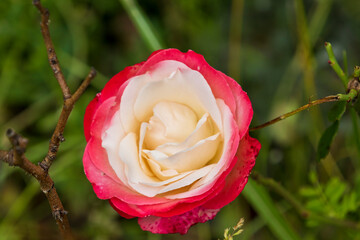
[(167, 141)]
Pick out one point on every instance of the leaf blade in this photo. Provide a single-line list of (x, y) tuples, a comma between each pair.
[(260, 199), (326, 140)]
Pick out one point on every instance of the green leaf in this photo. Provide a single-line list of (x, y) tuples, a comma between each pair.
[(326, 140), (309, 192), (316, 205), (337, 111), (261, 201), (334, 190)]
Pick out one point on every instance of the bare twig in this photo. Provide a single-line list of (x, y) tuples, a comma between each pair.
[(69, 100), (16, 157), (301, 210), (54, 63), (84, 85), (57, 136)]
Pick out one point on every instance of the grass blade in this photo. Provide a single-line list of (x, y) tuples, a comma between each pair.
[(142, 24), (261, 201)]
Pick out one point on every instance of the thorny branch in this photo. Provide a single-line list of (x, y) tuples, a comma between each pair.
[(16, 155)]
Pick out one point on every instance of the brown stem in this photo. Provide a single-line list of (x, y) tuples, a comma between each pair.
[(69, 100), (332, 98), (58, 136), (302, 211), (16, 157), (84, 85), (53, 60)]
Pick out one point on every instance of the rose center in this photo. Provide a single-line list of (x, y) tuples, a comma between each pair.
[(171, 122)]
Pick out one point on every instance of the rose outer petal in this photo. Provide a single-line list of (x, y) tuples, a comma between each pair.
[(177, 224), (244, 111), (235, 182), (110, 90)]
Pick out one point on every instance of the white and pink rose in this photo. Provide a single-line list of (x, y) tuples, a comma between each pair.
[(168, 143)]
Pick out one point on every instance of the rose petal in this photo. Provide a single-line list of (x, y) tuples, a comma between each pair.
[(177, 224), (191, 90), (223, 166), (203, 130), (217, 83), (144, 184), (189, 159), (235, 182), (244, 111), (121, 213), (105, 187), (111, 88), (136, 83), (171, 122)]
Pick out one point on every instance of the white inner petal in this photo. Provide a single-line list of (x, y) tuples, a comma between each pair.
[(203, 184), (110, 141), (187, 87), (204, 129), (189, 159), (171, 122), (159, 72)]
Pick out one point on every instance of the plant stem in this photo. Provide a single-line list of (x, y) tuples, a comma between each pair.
[(332, 98), (16, 156), (69, 99), (335, 65), (345, 63)]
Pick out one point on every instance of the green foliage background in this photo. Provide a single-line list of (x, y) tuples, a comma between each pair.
[(273, 48)]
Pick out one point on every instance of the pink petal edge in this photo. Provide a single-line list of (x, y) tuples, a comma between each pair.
[(235, 182), (177, 224)]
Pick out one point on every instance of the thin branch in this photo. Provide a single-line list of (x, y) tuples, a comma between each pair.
[(54, 63), (84, 85), (69, 100), (58, 136), (302, 211), (332, 98), (16, 157)]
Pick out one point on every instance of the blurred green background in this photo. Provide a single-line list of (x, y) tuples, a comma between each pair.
[(274, 49)]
